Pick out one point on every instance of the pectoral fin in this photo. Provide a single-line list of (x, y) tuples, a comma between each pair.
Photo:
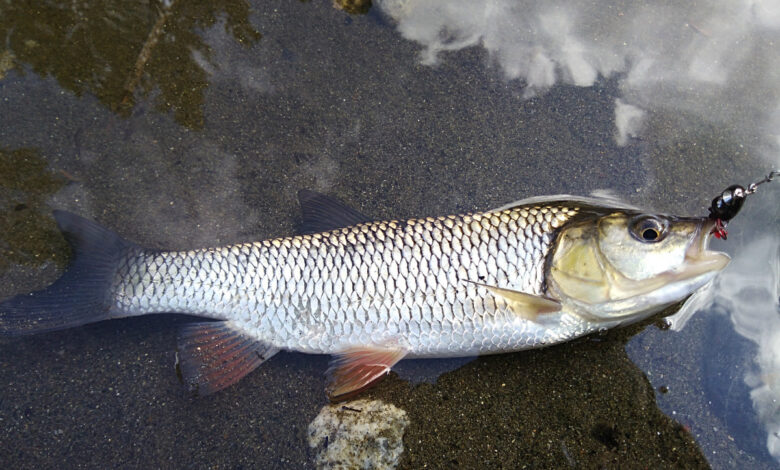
[(527, 306), (356, 369)]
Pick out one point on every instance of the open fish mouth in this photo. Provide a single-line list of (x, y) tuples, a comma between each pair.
[(698, 258)]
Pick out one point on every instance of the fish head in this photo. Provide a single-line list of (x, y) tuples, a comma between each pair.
[(622, 266)]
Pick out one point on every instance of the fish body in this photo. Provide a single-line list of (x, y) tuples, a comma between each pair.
[(531, 274), (417, 283)]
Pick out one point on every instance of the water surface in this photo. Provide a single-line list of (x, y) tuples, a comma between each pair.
[(182, 125)]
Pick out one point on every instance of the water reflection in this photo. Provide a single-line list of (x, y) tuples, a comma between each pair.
[(117, 50), (400, 140), (747, 291), (353, 7), (716, 59), (715, 62), (28, 235)]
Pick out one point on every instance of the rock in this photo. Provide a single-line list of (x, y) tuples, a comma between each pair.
[(364, 434)]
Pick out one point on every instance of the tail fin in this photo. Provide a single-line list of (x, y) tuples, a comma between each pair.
[(82, 294)]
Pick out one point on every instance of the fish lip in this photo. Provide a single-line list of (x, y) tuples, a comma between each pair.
[(699, 259)]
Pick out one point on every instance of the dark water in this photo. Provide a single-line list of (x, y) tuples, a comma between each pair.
[(182, 125)]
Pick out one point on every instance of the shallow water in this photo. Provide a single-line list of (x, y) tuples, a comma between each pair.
[(182, 125)]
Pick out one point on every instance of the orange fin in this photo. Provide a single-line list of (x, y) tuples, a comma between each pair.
[(356, 369), (527, 306), (214, 355)]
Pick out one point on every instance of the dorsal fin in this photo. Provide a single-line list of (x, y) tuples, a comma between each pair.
[(323, 213)]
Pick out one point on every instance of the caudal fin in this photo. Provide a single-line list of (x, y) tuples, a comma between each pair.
[(82, 294)]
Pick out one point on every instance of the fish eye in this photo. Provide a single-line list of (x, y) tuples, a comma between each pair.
[(648, 229)]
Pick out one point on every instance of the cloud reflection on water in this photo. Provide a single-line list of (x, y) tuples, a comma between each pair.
[(718, 60), (748, 290)]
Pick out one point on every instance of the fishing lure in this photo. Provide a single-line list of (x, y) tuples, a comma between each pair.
[(729, 202)]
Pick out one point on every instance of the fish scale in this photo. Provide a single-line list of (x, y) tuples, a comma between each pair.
[(411, 283)]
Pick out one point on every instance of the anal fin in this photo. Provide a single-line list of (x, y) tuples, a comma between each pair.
[(356, 369), (215, 355)]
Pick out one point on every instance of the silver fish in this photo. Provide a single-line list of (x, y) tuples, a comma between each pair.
[(530, 274)]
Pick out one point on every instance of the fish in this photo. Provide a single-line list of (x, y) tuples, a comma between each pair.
[(370, 293)]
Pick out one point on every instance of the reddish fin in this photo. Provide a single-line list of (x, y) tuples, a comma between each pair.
[(356, 369), (214, 355)]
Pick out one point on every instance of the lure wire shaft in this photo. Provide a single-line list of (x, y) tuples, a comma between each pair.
[(752, 187)]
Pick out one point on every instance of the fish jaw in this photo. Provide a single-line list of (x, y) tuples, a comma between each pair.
[(699, 258)]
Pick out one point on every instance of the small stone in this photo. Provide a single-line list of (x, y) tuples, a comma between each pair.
[(358, 434)]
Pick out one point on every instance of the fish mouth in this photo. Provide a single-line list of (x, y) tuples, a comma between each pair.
[(698, 258)]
